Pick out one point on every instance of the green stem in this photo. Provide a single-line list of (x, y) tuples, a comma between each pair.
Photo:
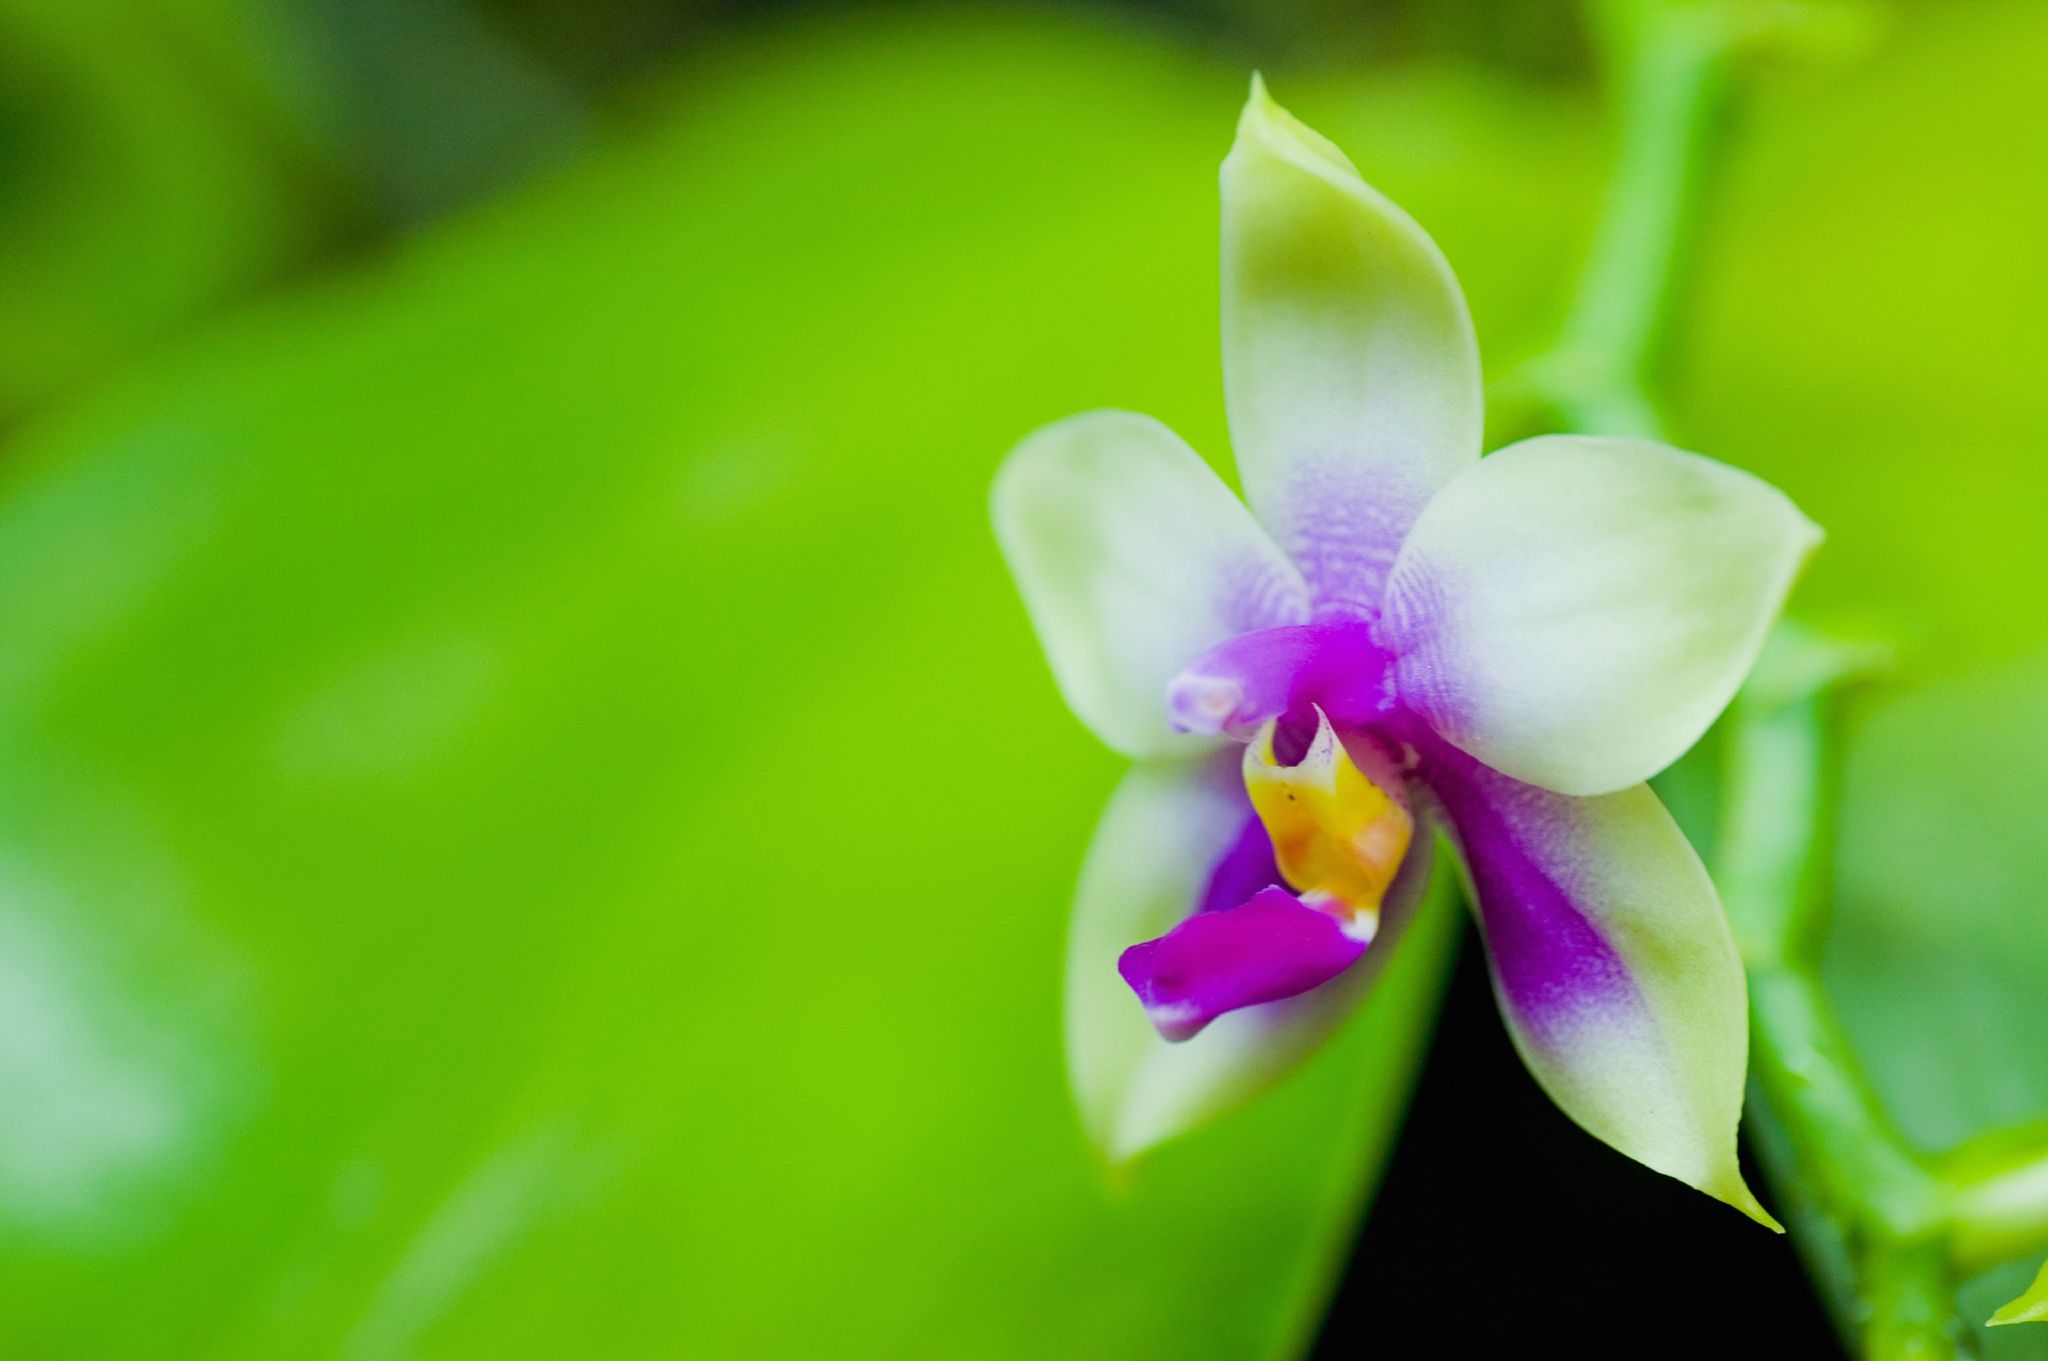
[(1770, 868), (1868, 1189), (1912, 1316), (1863, 1176), (1668, 64)]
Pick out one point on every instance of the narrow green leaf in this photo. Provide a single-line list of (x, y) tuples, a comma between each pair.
[(2029, 1307)]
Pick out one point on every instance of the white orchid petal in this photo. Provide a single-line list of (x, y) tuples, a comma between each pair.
[(1350, 369), (1133, 559), (1577, 611), (1614, 966)]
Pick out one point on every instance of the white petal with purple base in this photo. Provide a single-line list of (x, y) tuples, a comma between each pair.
[(1133, 558), (1350, 370), (1613, 964), (1576, 611)]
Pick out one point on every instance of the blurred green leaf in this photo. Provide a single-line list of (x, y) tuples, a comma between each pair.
[(420, 106), (474, 876), (1867, 331), (162, 158), (137, 189), (2029, 1307)]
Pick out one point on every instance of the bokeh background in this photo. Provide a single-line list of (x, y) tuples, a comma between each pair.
[(533, 825)]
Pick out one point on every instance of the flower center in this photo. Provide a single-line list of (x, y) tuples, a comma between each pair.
[(1308, 699), (1338, 818), (1332, 820), (1285, 673)]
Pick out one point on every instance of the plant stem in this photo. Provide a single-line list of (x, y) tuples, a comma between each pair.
[(1866, 1186), (1912, 1316), (1667, 62)]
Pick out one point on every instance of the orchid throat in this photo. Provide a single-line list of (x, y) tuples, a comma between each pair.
[(1299, 898)]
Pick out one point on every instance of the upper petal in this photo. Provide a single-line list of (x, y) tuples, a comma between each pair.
[(1133, 558), (1576, 611), (1614, 966), (1349, 364), (1167, 830)]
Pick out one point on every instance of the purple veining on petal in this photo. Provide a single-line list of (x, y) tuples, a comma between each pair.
[(1343, 534), (1416, 611), (1239, 684), (1253, 592), (1268, 948), (1246, 868), (1551, 962)]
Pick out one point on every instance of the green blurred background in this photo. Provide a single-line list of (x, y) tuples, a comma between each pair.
[(531, 821)]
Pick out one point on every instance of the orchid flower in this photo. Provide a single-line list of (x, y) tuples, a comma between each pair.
[(1398, 641)]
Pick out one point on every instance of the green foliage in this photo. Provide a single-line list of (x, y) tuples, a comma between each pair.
[(136, 190), (531, 822), (530, 819)]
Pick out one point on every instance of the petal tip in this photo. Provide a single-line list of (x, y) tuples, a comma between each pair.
[(1259, 105), (1266, 125), (1177, 1022), (1730, 1188), (1749, 1205), (1128, 1145)]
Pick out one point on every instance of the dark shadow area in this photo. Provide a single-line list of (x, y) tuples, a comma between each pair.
[(1502, 1225)]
